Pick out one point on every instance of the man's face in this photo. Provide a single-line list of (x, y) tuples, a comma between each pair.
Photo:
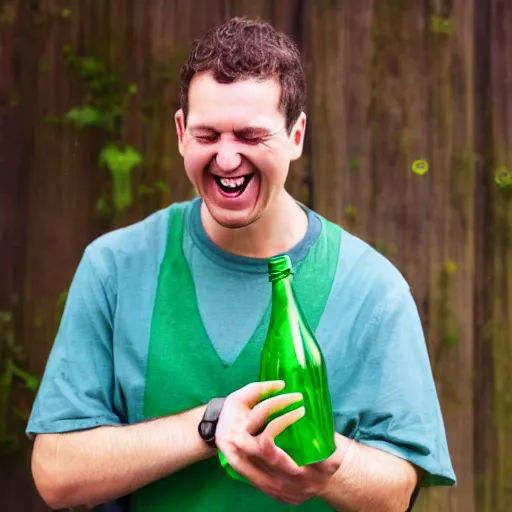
[(236, 148)]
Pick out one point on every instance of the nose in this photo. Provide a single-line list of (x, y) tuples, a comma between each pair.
[(228, 158)]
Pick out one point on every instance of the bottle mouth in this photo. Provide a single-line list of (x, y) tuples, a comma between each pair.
[(279, 267)]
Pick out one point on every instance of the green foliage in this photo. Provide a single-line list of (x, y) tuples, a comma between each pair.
[(350, 212), (17, 386), (450, 267), (419, 167), (447, 318), (107, 95), (7, 13), (106, 105), (386, 249), (87, 116), (146, 190), (442, 26), (503, 177), (102, 208), (120, 163), (61, 303)]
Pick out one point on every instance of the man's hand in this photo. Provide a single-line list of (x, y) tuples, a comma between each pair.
[(250, 449)]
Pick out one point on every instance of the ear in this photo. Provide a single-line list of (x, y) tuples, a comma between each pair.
[(297, 136), (179, 119)]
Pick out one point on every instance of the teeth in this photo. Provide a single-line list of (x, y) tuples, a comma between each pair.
[(232, 182)]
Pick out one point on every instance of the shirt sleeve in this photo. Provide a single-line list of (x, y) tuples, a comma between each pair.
[(76, 391), (399, 410)]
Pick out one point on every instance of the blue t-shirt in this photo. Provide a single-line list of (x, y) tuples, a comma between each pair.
[(380, 379)]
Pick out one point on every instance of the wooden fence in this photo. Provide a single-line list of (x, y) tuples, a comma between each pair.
[(394, 86)]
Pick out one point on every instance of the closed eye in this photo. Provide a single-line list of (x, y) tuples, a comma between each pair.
[(250, 140), (207, 139)]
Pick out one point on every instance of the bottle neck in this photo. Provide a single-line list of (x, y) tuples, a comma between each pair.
[(282, 289), (279, 275)]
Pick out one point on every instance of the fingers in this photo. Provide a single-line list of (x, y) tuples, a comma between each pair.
[(275, 427), (259, 414), (251, 394)]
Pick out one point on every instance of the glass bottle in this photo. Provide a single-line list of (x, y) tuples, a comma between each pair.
[(292, 354)]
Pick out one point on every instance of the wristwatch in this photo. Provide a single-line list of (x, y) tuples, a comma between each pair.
[(208, 423)]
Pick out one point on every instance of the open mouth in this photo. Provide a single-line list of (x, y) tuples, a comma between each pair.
[(233, 186)]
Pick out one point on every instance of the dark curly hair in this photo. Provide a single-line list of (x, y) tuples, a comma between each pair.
[(242, 48)]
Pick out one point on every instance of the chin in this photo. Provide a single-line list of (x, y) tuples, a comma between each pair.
[(230, 219)]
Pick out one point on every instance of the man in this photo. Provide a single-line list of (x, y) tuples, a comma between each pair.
[(165, 315)]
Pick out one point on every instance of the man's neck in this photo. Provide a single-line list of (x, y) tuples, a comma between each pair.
[(276, 231)]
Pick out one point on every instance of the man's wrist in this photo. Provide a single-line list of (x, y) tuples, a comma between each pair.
[(208, 424), (201, 448), (338, 458)]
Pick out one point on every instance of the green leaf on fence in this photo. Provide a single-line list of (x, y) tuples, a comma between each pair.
[(121, 162)]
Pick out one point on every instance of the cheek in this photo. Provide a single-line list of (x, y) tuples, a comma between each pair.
[(196, 158), (271, 163)]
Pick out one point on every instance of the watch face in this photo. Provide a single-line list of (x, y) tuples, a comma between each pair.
[(207, 430)]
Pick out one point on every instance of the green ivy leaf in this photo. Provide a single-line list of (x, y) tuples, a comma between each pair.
[(89, 116), (350, 212), (419, 167), (450, 267), (121, 162), (161, 185), (31, 382), (503, 177), (441, 25)]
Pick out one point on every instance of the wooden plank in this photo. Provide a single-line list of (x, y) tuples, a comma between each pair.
[(484, 431), (497, 491), (14, 148), (415, 149), (325, 27), (388, 178), (451, 245), (18, 35)]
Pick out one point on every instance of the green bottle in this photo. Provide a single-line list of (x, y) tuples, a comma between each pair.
[(292, 354)]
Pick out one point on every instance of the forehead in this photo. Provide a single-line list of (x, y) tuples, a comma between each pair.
[(235, 104)]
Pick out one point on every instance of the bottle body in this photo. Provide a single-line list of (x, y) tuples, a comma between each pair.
[(292, 354)]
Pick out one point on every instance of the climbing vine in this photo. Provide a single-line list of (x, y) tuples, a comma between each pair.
[(17, 386), (107, 100)]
